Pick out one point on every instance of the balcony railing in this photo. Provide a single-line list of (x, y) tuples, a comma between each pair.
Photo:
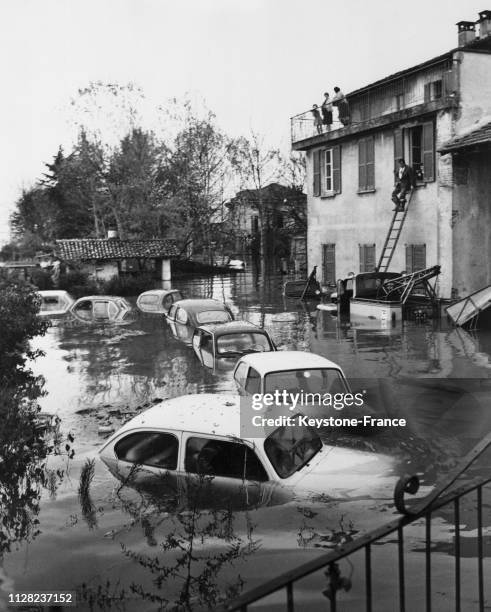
[(431, 84)]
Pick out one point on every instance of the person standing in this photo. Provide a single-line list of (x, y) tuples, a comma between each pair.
[(339, 100), (404, 182), (327, 111), (317, 118)]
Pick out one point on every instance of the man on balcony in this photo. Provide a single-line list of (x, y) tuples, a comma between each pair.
[(339, 100), (404, 182)]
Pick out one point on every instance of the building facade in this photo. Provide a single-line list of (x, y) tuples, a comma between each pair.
[(413, 114)]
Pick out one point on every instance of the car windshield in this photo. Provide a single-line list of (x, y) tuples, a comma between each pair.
[(290, 448), (213, 316), (319, 380), (243, 342)]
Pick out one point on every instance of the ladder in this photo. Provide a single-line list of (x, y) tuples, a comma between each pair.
[(393, 236), (402, 286)]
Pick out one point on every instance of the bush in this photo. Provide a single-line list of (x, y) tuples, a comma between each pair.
[(42, 279)]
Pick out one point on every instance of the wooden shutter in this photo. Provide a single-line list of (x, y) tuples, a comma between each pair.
[(415, 257), (329, 263), (370, 162), (367, 257), (398, 146), (362, 164), (427, 92), (428, 152), (316, 173), (336, 169)]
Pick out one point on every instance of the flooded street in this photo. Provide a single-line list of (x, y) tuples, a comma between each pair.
[(435, 376)]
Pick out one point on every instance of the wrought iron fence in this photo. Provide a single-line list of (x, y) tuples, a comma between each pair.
[(432, 83), (422, 510)]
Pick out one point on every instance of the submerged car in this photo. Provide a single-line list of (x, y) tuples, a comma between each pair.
[(55, 302), (181, 440), (219, 346), (186, 315), (99, 308), (158, 301), (292, 371)]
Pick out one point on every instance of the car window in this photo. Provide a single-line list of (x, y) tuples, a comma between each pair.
[(253, 382), (242, 343), (153, 448), (322, 380), (84, 305), (176, 296), (212, 457), (206, 343), (290, 448), (213, 316), (181, 315), (51, 303), (150, 301), (167, 303), (240, 373)]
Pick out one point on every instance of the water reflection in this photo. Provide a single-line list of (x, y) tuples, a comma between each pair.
[(99, 376)]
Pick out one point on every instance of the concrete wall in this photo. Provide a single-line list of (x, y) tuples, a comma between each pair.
[(349, 219), (474, 90), (101, 270), (472, 222)]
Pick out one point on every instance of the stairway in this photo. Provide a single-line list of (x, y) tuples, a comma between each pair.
[(393, 236)]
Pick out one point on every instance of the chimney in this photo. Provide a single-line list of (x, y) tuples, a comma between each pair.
[(467, 32), (484, 22), (112, 234)]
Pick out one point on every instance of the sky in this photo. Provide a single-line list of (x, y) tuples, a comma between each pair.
[(255, 63)]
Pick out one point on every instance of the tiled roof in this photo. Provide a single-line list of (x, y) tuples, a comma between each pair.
[(479, 136), (98, 248)]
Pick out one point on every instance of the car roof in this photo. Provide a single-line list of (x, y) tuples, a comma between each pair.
[(101, 297), (199, 304), (160, 292), (201, 413), (53, 292), (232, 326), (286, 360)]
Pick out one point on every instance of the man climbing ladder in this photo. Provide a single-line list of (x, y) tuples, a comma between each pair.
[(404, 182)]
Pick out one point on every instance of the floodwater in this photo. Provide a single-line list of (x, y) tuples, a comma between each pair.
[(120, 549)]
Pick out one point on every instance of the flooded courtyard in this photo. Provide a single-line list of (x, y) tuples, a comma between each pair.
[(119, 547)]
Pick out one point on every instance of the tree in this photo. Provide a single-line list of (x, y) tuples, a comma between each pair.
[(256, 167)]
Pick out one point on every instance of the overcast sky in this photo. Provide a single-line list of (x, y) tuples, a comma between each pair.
[(255, 62)]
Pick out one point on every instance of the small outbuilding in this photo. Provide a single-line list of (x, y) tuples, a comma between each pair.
[(104, 258)]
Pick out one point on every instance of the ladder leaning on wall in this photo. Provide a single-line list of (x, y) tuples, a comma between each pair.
[(392, 237)]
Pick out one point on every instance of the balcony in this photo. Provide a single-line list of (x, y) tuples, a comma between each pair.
[(416, 93)]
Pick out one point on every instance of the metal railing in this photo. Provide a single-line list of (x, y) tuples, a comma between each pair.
[(422, 509), (432, 83)]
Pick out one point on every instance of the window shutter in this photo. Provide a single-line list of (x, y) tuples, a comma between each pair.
[(427, 92), (419, 257), (362, 168), (322, 171), (336, 169), (317, 174), (370, 161), (398, 146), (362, 257), (369, 257), (329, 263), (409, 258), (428, 152)]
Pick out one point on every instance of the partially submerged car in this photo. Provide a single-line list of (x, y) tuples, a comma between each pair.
[(158, 301), (55, 302), (185, 316), (292, 371), (100, 308), (182, 440), (218, 346)]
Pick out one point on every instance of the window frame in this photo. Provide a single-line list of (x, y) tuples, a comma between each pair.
[(334, 171), (365, 263), (366, 165), (132, 433)]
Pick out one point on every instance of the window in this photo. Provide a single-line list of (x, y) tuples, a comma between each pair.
[(415, 257), (253, 382), (313, 381), (151, 448), (181, 316), (366, 164), (329, 264), (212, 457), (254, 224), (420, 141), (330, 171), (433, 90), (240, 374), (367, 257), (213, 316)]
